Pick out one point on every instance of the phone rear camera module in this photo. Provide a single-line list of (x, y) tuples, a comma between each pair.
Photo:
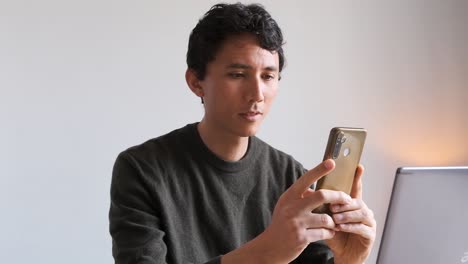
[(337, 150)]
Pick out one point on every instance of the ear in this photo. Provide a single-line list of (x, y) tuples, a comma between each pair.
[(194, 83)]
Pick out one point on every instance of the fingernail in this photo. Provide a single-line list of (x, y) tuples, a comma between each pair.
[(328, 163)]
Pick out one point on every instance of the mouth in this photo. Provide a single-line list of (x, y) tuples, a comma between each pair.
[(251, 115)]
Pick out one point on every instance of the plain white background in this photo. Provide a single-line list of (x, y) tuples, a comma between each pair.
[(83, 80)]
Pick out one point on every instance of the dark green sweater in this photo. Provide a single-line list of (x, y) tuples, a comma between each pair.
[(174, 201)]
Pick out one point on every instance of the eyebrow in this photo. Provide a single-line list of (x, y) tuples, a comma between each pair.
[(246, 66)]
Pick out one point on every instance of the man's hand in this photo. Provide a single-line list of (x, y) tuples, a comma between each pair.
[(355, 226), (294, 226)]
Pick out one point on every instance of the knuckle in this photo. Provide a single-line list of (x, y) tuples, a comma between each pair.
[(320, 195), (297, 234), (344, 217), (324, 219), (350, 227), (302, 239), (365, 213), (344, 196), (295, 226), (323, 233)]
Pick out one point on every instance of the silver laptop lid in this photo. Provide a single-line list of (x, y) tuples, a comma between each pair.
[(427, 220)]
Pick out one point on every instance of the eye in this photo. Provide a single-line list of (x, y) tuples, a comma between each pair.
[(236, 75), (268, 77)]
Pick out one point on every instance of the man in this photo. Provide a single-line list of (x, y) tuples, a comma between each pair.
[(212, 192)]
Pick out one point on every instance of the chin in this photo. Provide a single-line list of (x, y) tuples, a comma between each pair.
[(250, 130)]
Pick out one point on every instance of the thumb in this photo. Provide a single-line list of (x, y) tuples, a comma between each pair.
[(305, 181)]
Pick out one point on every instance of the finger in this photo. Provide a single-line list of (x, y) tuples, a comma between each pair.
[(364, 216), (308, 192), (305, 181), (317, 234), (355, 204), (323, 196), (358, 229), (320, 221), (356, 191)]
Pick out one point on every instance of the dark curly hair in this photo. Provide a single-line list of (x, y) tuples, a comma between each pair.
[(225, 20)]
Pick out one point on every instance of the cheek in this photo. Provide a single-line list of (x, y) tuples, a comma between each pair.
[(270, 94), (220, 99)]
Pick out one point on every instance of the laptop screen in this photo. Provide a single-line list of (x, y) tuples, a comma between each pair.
[(427, 220)]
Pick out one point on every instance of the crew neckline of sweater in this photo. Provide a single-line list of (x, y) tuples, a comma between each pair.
[(223, 165)]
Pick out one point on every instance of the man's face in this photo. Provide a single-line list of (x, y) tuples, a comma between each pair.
[(239, 86)]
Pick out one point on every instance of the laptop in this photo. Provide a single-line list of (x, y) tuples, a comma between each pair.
[(427, 220)]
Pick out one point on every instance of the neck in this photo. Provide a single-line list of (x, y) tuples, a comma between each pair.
[(226, 146)]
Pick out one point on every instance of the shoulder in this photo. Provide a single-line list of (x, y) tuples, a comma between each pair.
[(278, 158), (156, 153), (161, 146)]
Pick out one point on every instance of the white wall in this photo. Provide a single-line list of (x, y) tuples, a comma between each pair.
[(82, 80)]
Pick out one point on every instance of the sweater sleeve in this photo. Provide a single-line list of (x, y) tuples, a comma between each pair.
[(136, 230), (133, 223)]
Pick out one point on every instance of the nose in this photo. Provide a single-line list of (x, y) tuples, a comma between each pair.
[(255, 90)]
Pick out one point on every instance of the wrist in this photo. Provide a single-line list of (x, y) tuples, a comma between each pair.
[(345, 261), (256, 251)]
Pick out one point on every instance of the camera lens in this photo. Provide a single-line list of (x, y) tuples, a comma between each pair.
[(336, 151)]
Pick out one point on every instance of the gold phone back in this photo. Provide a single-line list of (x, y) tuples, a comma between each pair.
[(342, 177)]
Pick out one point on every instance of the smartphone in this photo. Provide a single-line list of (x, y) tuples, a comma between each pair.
[(345, 145)]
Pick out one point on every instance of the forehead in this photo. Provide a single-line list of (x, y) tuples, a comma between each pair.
[(245, 49)]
